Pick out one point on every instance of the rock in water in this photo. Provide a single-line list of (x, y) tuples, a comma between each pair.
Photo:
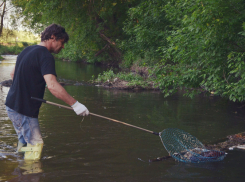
[(7, 83)]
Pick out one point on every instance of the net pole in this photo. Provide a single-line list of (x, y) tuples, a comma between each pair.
[(97, 115)]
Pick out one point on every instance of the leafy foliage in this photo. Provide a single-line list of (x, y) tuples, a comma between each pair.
[(146, 27), (193, 45), (14, 36), (13, 42), (93, 26), (10, 49), (133, 79), (106, 76), (204, 35)]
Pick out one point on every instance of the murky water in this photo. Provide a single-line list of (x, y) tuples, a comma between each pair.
[(95, 149)]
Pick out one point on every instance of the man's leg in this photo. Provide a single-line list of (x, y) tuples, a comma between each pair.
[(16, 119), (20, 145), (29, 134), (32, 134)]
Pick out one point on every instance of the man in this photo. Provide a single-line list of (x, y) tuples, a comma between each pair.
[(35, 67)]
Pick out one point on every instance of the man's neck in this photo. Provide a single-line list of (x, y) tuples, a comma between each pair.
[(46, 44), (42, 44)]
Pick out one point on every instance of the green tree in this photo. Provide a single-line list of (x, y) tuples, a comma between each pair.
[(189, 44), (200, 48), (93, 26), (147, 29)]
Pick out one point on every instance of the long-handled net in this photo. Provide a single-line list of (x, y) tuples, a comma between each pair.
[(180, 145), (184, 147)]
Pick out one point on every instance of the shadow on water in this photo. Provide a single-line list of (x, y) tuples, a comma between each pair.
[(95, 149)]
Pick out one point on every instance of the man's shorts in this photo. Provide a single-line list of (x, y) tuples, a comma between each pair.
[(27, 128)]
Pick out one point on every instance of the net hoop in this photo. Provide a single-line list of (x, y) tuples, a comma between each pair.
[(184, 147)]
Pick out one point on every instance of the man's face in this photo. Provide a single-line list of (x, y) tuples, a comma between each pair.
[(57, 46)]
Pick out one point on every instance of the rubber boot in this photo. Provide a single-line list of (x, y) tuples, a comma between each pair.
[(32, 152), (19, 146)]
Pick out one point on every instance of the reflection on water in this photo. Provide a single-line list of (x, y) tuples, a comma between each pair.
[(5, 69), (95, 149), (27, 171), (30, 167)]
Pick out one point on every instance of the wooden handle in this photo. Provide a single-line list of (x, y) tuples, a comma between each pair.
[(114, 120)]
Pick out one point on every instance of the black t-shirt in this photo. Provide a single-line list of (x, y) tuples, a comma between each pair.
[(32, 64)]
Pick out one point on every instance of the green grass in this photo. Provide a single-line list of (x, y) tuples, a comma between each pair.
[(133, 79)]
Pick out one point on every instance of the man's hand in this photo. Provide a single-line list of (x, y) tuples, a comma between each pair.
[(12, 74), (80, 109)]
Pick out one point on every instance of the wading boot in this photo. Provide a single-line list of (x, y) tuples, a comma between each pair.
[(19, 146), (32, 152)]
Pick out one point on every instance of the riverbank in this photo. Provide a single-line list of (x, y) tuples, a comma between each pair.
[(117, 83), (13, 48), (135, 78)]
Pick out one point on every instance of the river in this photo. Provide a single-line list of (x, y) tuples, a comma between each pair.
[(94, 149)]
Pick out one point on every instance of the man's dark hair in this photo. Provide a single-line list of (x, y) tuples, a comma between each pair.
[(55, 30)]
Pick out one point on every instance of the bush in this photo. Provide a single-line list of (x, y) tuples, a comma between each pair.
[(10, 49)]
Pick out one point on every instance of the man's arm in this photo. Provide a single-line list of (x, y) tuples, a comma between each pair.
[(58, 91), (12, 73)]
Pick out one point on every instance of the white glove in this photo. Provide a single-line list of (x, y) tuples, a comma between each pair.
[(80, 109)]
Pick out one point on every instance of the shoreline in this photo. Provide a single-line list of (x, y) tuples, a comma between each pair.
[(124, 85)]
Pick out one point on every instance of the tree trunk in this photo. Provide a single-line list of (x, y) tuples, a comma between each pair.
[(102, 50), (2, 16), (116, 53)]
